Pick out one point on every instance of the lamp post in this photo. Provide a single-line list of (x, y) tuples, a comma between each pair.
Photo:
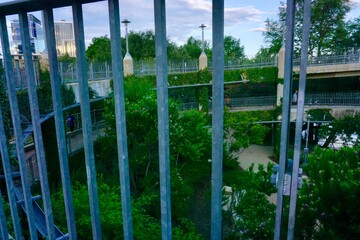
[(126, 22), (306, 149), (202, 26), (203, 57), (128, 61)]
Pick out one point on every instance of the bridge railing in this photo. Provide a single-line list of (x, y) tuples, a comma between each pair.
[(311, 99), (333, 99), (102, 70), (346, 58)]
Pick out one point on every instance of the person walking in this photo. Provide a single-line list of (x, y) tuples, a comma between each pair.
[(70, 121), (295, 97)]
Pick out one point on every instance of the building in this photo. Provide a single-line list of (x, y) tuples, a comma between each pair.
[(65, 40), (36, 35)]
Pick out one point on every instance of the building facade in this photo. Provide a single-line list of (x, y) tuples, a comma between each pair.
[(37, 39), (65, 40)]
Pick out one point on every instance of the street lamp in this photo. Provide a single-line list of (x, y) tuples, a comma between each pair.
[(126, 22), (306, 149), (202, 26)]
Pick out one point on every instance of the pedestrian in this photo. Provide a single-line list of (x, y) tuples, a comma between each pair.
[(295, 97), (70, 121), (227, 100)]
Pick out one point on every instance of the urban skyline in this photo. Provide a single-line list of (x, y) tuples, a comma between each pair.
[(244, 20)]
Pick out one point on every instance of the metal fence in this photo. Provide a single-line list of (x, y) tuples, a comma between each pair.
[(333, 99), (20, 74), (311, 99), (103, 70), (345, 58)]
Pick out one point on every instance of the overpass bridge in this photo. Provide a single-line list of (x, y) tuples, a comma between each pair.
[(333, 66), (330, 66)]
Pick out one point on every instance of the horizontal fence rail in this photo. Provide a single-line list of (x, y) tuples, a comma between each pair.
[(103, 70), (346, 58), (311, 99)]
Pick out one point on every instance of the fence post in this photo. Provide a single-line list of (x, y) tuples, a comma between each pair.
[(91, 71), (18, 75), (61, 73), (72, 74)]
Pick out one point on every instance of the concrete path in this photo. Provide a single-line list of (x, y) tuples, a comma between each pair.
[(258, 155), (255, 154)]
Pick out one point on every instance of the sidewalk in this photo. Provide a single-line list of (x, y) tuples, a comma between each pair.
[(258, 155), (255, 154)]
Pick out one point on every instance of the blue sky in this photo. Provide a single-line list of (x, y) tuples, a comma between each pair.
[(244, 19)]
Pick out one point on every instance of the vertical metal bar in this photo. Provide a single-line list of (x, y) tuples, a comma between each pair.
[(59, 120), (4, 149), (299, 117), (62, 75), (35, 116), (8, 179), (163, 116), (15, 115), (119, 97), (285, 124), (86, 118), (17, 65), (217, 118), (4, 233)]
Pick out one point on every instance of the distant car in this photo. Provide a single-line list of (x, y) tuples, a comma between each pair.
[(340, 141)]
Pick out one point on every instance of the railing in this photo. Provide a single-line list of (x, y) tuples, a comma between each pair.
[(74, 140), (97, 71), (311, 99), (333, 99), (346, 58)]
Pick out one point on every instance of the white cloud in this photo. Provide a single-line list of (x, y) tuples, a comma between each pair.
[(355, 2), (259, 29)]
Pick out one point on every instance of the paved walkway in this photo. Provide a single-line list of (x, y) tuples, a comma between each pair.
[(258, 155), (255, 154), (75, 139)]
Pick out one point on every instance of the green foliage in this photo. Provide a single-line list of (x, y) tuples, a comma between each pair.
[(44, 96), (233, 48), (241, 131), (344, 127), (325, 36), (328, 200), (320, 114), (353, 27), (66, 58), (99, 50), (4, 104), (144, 226), (141, 45), (190, 145), (250, 211), (265, 74), (7, 212)]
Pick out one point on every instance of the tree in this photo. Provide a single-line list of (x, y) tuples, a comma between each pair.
[(192, 47), (327, 28), (233, 48), (190, 144), (4, 104), (241, 131), (328, 201), (99, 50), (250, 212), (344, 127), (324, 33), (144, 226), (141, 45), (353, 27)]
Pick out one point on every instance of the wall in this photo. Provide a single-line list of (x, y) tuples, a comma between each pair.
[(101, 87)]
